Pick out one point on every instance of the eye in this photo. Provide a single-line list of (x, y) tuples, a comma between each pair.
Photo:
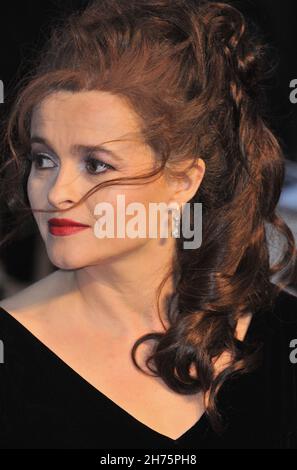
[(37, 159), (95, 166)]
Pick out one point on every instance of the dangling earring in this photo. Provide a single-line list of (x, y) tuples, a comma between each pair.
[(176, 225)]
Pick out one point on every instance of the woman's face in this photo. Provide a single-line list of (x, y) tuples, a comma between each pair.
[(62, 173)]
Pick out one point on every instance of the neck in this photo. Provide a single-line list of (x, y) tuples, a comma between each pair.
[(121, 296)]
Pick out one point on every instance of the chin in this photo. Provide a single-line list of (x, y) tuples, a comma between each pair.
[(71, 260), (66, 266), (66, 261)]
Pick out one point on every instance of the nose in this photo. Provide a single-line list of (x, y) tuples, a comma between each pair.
[(64, 189)]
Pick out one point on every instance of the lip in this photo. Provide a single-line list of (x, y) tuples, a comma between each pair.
[(63, 227), (66, 223)]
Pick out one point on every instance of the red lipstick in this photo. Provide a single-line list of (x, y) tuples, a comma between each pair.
[(63, 227)]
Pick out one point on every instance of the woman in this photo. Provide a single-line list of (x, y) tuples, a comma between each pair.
[(153, 101)]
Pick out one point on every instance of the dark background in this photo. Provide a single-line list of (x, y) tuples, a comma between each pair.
[(24, 28)]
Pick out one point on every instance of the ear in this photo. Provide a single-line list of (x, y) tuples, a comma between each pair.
[(186, 184)]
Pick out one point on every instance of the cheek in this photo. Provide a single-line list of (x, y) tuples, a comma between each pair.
[(144, 194), (31, 190), (122, 197), (36, 191)]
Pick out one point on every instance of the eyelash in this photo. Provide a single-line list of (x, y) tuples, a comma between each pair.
[(33, 157)]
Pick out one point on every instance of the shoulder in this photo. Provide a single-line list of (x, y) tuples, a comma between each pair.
[(283, 315), (276, 329), (283, 329), (36, 308), (286, 301), (32, 311), (35, 298), (276, 324), (281, 364)]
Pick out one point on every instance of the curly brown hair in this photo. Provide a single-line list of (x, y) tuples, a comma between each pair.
[(194, 72)]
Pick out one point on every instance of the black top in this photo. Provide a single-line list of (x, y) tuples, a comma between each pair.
[(45, 404)]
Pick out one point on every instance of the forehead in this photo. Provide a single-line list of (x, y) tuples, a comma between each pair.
[(89, 113)]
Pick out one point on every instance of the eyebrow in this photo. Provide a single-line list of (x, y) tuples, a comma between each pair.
[(77, 149)]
